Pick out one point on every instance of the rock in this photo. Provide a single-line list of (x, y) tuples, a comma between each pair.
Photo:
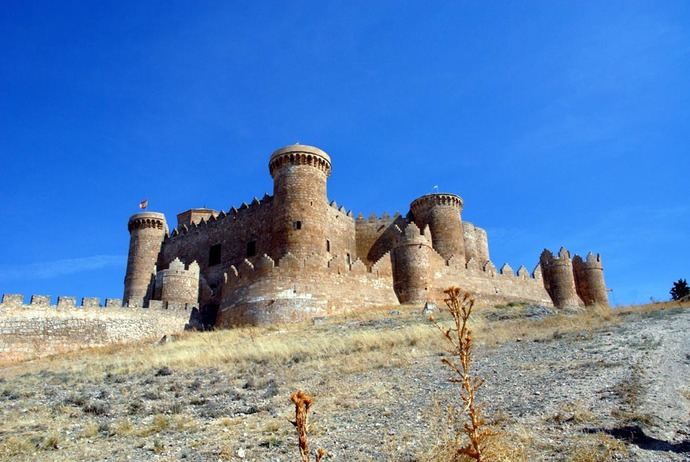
[(318, 320), (429, 308)]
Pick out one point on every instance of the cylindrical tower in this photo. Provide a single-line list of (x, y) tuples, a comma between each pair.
[(482, 242), (300, 174), (411, 267), (180, 285), (589, 280), (559, 279), (147, 231), (441, 212), (470, 238)]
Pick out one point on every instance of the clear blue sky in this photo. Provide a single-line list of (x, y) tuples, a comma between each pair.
[(559, 123)]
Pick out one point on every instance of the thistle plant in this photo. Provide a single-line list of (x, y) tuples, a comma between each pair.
[(459, 338), (303, 403)]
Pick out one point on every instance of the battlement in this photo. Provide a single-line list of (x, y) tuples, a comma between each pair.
[(431, 200), (384, 219), (220, 217), (591, 260), (147, 220), (342, 209), (289, 264), (299, 154), (45, 301), (16, 302)]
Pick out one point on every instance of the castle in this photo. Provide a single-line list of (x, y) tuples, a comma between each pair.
[(295, 255)]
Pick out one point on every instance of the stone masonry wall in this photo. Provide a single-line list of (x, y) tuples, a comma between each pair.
[(297, 289), (377, 235), (40, 329), (233, 230)]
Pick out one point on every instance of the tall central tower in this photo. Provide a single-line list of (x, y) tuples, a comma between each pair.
[(300, 174)]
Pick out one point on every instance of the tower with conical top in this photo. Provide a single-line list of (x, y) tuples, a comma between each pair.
[(300, 174), (147, 231)]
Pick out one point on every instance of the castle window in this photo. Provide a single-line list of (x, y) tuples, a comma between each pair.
[(251, 248), (328, 245), (214, 255), (296, 225), (349, 259)]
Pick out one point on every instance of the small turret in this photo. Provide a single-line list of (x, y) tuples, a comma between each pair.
[(589, 280), (300, 175), (559, 279), (411, 266), (178, 284), (441, 212), (147, 231)]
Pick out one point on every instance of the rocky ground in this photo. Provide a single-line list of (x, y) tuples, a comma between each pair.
[(616, 390)]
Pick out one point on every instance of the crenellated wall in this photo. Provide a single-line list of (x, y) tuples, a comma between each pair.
[(376, 236), (294, 289), (41, 328)]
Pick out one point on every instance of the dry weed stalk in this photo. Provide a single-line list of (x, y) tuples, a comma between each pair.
[(459, 336), (302, 403)]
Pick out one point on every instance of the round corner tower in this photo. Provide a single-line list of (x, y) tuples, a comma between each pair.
[(147, 231), (300, 174), (559, 279), (411, 266), (589, 280), (441, 212)]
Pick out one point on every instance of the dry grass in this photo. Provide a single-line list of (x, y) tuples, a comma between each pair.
[(366, 345), (598, 447)]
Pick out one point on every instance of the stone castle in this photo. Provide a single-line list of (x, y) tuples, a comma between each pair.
[(295, 255)]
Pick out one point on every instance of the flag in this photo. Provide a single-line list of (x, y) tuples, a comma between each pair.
[(143, 204)]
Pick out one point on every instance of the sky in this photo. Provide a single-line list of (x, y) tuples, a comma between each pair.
[(559, 123)]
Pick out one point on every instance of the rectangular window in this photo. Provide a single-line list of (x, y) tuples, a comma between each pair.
[(296, 225), (251, 249), (349, 259), (214, 255), (328, 245)]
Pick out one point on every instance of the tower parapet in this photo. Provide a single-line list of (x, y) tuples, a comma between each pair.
[(589, 279), (559, 279), (300, 175), (412, 266), (441, 212), (147, 231)]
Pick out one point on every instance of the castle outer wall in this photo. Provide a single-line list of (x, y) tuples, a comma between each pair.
[(41, 329), (295, 254)]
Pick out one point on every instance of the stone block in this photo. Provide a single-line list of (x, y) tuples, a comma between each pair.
[(156, 304), (90, 302), (40, 300), (12, 300), (113, 302), (66, 302)]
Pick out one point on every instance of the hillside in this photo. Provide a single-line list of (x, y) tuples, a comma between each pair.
[(592, 386)]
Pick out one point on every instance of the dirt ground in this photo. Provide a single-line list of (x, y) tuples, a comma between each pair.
[(557, 387)]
